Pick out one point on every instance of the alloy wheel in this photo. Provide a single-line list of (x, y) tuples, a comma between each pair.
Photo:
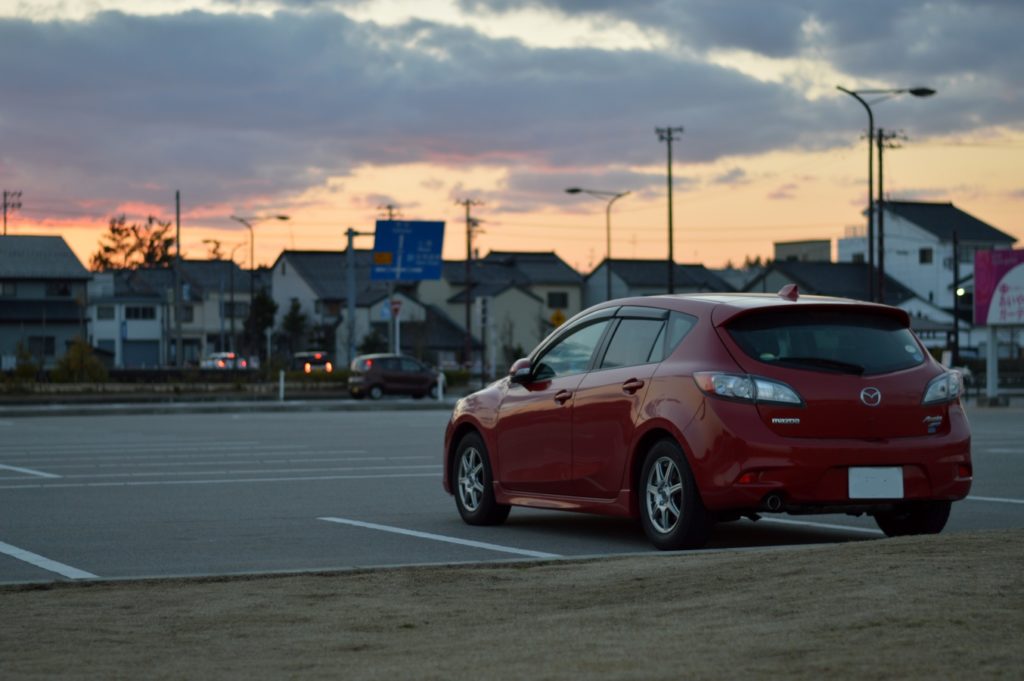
[(664, 495), (471, 478)]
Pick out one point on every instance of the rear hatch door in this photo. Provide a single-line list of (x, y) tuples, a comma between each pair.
[(858, 368)]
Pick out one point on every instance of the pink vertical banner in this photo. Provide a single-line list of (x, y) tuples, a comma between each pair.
[(999, 287)]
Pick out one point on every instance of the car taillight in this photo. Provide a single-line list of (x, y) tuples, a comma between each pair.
[(307, 367), (220, 363), (329, 367), (746, 388), (946, 387), (243, 363)]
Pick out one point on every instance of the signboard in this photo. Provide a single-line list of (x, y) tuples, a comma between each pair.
[(407, 251), (999, 288)]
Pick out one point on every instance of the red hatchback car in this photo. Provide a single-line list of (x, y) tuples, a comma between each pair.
[(683, 410)]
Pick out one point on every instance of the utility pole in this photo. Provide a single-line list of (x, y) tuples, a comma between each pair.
[(12, 202), (178, 359), (669, 135), (885, 141), (470, 224), (350, 294), (956, 299), (393, 340)]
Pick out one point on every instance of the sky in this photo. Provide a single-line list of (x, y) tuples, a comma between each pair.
[(329, 111)]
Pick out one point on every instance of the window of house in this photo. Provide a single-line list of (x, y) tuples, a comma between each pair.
[(8, 289), (42, 346), (58, 289), (140, 312), (188, 314), (924, 256), (104, 312), (558, 299)]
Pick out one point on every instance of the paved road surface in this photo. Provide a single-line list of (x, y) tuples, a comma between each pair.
[(117, 496)]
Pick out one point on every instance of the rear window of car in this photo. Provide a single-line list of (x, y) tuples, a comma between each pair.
[(842, 341)]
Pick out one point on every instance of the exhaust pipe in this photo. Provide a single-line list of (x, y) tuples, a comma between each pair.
[(773, 502)]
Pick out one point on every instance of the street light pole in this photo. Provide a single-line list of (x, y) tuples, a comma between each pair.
[(612, 198), (668, 135), (247, 221), (856, 94)]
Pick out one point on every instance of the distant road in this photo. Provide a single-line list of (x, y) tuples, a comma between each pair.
[(202, 494)]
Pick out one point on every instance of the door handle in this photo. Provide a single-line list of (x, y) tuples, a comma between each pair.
[(562, 396), (632, 385)]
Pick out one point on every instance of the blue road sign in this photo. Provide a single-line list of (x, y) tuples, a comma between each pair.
[(407, 251)]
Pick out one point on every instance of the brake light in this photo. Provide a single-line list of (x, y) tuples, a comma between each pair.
[(307, 368), (243, 363), (746, 388), (329, 367), (367, 364), (317, 356), (946, 387), (220, 363)]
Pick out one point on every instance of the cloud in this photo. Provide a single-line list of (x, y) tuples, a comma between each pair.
[(784, 193), (233, 107), (733, 176)]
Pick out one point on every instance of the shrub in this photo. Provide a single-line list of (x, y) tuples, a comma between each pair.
[(79, 365)]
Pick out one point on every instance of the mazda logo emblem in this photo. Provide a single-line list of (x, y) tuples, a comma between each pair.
[(871, 396)]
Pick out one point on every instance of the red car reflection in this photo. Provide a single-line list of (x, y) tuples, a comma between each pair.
[(691, 409)]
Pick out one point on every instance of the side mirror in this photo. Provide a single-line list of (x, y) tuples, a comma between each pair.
[(520, 371)]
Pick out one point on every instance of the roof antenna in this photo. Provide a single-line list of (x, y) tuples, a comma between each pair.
[(789, 292)]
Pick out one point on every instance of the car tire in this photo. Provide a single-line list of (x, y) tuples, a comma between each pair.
[(375, 392), (921, 517), (473, 484), (671, 510)]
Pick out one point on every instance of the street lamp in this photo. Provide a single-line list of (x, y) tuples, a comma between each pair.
[(247, 221), (612, 198), (886, 94)]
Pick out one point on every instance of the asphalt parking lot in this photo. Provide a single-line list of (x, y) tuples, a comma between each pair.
[(114, 495)]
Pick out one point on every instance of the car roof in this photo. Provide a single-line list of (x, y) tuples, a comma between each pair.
[(723, 307)]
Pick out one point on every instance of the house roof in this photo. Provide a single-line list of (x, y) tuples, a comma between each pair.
[(942, 219), (490, 290), (39, 257), (214, 275), (652, 274), (538, 267), (326, 274), (839, 279)]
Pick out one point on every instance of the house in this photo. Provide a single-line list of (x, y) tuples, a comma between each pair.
[(517, 298), (647, 278), (317, 281), (128, 319), (42, 298), (813, 250), (216, 305), (918, 242)]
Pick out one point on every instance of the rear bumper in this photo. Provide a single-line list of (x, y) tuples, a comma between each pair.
[(737, 472)]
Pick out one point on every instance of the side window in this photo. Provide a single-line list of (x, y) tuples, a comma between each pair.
[(679, 325), (571, 355), (411, 366), (633, 343)]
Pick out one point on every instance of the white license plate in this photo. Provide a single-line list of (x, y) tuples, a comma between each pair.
[(882, 482)]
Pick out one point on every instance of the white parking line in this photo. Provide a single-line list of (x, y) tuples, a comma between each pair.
[(240, 471), (229, 481), (442, 538), (998, 500), (45, 563), (827, 526), (28, 471)]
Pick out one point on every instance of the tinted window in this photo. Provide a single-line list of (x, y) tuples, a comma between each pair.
[(571, 355), (678, 326), (828, 340), (633, 343)]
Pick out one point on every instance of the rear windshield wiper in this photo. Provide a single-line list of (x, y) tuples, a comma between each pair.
[(823, 363)]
